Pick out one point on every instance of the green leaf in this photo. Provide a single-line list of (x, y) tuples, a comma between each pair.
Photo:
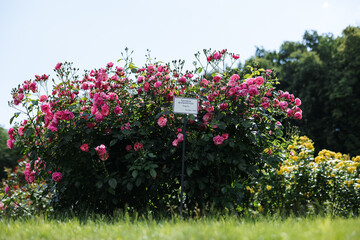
[(112, 183), (129, 186), (152, 155), (189, 171), (138, 182), (99, 184), (210, 157), (134, 70), (135, 173), (29, 132), (153, 172), (113, 142)]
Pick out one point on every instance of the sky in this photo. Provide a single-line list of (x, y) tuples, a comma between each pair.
[(37, 34)]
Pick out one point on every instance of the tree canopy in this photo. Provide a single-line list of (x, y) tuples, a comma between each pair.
[(324, 72)]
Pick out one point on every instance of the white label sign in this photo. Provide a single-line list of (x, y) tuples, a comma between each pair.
[(185, 105)]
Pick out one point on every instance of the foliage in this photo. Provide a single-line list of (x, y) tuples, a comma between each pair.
[(8, 157), (20, 199), (110, 139), (327, 183), (323, 71)]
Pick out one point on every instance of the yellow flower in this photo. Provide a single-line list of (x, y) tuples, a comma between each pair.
[(332, 175), (290, 147), (268, 187), (351, 169)]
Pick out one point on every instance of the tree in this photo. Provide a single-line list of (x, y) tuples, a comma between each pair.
[(323, 71)]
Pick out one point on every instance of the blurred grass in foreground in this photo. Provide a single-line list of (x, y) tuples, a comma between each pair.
[(204, 228)]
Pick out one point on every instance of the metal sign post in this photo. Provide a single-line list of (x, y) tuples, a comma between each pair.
[(185, 106)]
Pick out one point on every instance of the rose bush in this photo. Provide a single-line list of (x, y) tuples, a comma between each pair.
[(113, 140)]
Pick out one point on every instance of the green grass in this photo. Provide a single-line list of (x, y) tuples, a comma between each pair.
[(206, 228)]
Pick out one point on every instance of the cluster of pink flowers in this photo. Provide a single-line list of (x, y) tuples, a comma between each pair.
[(102, 153), (218, 140), (29, 174)]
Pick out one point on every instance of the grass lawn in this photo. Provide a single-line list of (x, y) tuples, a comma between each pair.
[(206, 228)]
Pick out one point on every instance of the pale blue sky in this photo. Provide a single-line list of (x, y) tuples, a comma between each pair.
[(36, 34)]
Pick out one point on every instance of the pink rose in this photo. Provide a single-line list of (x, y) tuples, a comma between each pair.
[(138, 146), (289, 112), (45, 108), (128, 148), (68, 115), (297, 101), (217, 55), (175, 142), (283, 105), (162, 121), (58, 66), (43, 98), (298, 116), (105, 110), (234, 77), (57, 176), (117, 110), (204, 82), (216, 79), (235, 56), (223, 106), (225, 136), (101, 151), (259, 81), (253, 91), (180, 137), (140, 79), (84, 147), (146, 87), (157, 84), (10, 143), (182, 79), (6, 189), (109, 65), (218, 140), (21, 131)]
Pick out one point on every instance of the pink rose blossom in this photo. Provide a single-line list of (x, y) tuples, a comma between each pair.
[(57, 176), (43, 98), (58, 66), (234, 77), (259, 81), (6, 189), (218, 140), (216, 79), (225, 136), (162, 122), (109, 65), (105, 110), (157, 84), (21, 131), (10, 143), (235, 56), (289, 112), (175, 142), (128, 148), (140, 79), (138, 146), (253, 91), (117, 110), (283, 105), (204, 82), (182, 79), (101, 151), (84, 147), (223, 106), (217, 55), (297, 101), (180, 137), (146, 87), (52, 128), (45, 107), (298, 116)]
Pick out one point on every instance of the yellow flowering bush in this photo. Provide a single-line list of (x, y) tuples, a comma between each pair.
[(303, 182)]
